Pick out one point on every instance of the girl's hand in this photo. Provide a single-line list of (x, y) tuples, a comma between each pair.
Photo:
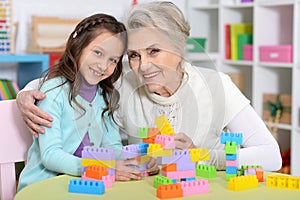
[(33, 115), (125, 173), (182, 141), (152, 167)]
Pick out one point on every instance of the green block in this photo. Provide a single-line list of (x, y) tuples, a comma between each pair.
[(143, 132), (228, 176), (243, 39), (206, 171), (195, 45), (161, 180), (230, 148)]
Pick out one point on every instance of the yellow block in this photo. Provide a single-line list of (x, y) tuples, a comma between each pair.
[(164, 126), (103, 163), (242, 183), (199, 154), (161, 153), (154, 147)]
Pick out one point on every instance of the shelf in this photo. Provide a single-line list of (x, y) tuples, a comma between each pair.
[(276, 3), (238, 62), (276, 65), (202, 56), (280, 126)]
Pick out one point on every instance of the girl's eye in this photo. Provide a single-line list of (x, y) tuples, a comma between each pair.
[(113, 60), (97, 52), (132, 55)]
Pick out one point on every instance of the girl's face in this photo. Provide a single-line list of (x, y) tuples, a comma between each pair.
[(154, 61), (99, 59)]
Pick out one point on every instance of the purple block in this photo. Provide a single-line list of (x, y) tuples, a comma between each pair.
[(130, 151), (184, 166), (111, 171), (250, 171), (98, 153), (181, 156)]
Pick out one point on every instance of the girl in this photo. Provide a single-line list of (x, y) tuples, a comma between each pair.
[(81, 99)]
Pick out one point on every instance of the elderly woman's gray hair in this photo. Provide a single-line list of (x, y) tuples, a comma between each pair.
[(163, 15)]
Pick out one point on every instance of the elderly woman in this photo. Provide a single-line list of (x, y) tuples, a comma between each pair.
[(198, 102)]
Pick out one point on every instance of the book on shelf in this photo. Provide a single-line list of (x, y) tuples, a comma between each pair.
[(235, 30)]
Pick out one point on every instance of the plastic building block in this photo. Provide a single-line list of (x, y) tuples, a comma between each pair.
[(143, 132), (231, 163), (164, 126), (176, 157), (166, 141), (86, 186), (96, 172), (160, 153), (162, 180), (169, 191), (98, 153), (230, 148), (198, 154), (231, 170), (143, 148), (230, 156), (154, 147), (180, 174), (242, 183), (152, 132), (260, 174), (169, 167), (194, 187), (206, 171), (250, 171), (279, 181), (243, 167), (229, 176), (231, 137), (130, 151), (104, 163)]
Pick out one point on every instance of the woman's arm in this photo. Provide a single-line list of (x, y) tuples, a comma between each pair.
[(32, 115), (259, 146)]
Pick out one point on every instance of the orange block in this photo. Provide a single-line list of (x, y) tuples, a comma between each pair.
[(169, 167), (153, 132), (169, 191), (96, 172), (260, 174)]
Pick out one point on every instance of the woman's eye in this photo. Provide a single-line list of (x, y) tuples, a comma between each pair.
[(153, 51)]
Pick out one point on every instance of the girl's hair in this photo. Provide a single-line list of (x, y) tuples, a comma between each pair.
[(163, 15), (85, 32)]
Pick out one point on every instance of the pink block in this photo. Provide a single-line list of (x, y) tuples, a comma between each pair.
[(276, 53), (166, 141), (231, 163), (180, 174), (248, 52), (108, 180), (194, 187)]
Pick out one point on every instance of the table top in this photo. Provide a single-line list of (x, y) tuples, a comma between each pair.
[(57, 188)]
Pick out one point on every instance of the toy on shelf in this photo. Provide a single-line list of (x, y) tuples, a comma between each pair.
[(6, 28)]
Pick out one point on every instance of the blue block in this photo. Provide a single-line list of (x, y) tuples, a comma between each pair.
[(231, 170), (231, 137), (143, 148), (86, 186), (230, 156)]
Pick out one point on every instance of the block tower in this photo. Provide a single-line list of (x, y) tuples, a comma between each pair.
[(232, 143)]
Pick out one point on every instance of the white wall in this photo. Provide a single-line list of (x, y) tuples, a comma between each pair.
[(23, 10)]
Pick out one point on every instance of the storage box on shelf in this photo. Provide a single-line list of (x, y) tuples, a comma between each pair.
[(275, 23)]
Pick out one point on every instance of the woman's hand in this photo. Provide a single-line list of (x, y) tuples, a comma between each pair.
[(152, 167), (33, 115), (182, 141), (125, 173)]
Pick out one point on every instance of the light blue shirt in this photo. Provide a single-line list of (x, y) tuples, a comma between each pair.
[(52, 152)]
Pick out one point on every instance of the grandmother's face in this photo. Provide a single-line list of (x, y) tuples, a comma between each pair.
[(153, 59)]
